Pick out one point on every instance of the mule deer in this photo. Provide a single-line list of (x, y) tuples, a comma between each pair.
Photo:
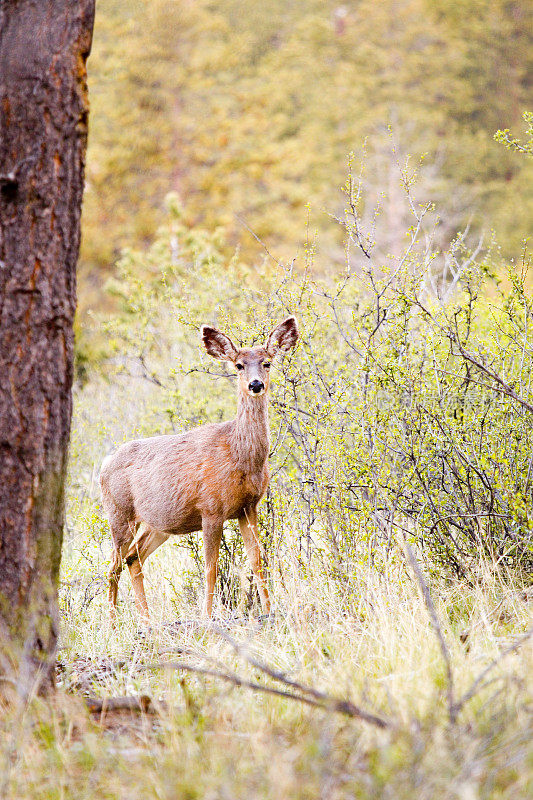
[(153, 488)]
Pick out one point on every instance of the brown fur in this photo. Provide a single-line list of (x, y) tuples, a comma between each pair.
[(170, 485)]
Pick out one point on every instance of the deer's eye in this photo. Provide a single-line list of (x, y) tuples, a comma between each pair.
[(266, 364), (239, 366)]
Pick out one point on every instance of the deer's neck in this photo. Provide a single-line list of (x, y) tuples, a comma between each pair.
[(251, 433)]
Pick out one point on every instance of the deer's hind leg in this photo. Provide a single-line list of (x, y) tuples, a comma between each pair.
[(142, 545), (122, 533), (114, 577)]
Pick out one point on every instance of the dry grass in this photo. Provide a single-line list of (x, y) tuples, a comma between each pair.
[(367, 638)]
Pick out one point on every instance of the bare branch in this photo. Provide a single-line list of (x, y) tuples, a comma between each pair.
[(101, 705), (452, 712), (307, 695), (504, 387)]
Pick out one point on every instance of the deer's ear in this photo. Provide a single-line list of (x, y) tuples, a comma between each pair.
[(283, 337), (218, 344)]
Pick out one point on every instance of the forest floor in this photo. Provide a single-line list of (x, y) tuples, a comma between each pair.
[(199, 722)]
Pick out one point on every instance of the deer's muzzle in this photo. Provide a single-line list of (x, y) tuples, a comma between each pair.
[(256, 387)]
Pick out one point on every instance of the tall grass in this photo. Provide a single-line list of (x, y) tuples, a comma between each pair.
[(366, 638)]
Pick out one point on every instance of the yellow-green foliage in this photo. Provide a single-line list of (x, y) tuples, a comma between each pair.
[(381, 423)]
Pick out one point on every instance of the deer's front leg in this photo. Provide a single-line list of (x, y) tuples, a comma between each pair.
[(249, 532), (212, 532)]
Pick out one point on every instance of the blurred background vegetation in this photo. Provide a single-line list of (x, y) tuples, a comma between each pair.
[(249, 112)]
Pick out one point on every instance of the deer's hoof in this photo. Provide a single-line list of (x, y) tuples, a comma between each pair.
[(267, 619), (144, 631)]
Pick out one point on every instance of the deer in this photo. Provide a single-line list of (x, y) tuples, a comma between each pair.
[(177, 484)]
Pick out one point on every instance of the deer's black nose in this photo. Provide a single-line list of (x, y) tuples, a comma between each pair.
[(256, 386)]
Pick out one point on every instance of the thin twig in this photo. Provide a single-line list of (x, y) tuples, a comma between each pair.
[(258, 240), (438, 631), (479, 383), (476, 685), (504, 387)]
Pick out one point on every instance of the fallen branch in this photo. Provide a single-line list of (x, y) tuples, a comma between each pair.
[(323, 701), (280, 676), (454, 708), (139, 703)]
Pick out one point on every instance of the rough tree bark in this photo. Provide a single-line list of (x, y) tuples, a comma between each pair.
[(44, 45)]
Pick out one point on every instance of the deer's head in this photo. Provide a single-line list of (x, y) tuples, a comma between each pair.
[(251, 363)]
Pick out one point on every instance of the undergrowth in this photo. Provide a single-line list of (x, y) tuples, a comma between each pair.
[(397, 531)]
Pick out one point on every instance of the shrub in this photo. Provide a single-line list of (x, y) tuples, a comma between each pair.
[(405, 411)]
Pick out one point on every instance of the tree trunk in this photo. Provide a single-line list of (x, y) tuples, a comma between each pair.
[(43, 133)]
